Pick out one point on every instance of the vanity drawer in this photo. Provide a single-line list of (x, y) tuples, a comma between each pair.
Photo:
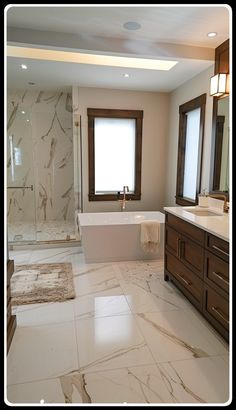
[(187, 279), (218, 246), (188, 229), (216, 308), (216, 271)]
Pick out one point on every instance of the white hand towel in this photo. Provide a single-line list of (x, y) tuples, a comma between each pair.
[(150, 235)]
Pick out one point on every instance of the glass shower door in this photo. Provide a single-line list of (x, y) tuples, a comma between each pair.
[(21, 211)]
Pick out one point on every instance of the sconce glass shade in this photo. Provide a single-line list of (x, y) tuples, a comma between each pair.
[(219, 85)]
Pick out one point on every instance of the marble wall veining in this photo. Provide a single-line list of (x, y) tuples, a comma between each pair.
[(40, 141)]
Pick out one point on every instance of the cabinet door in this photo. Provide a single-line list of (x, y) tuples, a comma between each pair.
[(172, 241), (216, 309), (189, 283), (216, 272), (192, 255)]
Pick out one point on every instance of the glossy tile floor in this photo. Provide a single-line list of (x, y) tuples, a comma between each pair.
[(127, 337)]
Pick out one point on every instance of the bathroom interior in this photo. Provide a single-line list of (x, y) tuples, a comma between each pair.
[(154, 325)]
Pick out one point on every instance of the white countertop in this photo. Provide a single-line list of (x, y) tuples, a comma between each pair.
[(217, 225)]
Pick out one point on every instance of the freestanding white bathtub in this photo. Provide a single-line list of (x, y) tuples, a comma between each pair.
[(115, 236)]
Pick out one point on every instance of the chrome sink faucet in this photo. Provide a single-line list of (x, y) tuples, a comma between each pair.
[(123, 200)]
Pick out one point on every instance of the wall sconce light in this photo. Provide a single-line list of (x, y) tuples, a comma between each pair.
[(219, 85)]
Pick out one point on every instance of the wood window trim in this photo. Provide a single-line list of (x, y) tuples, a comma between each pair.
[(93, 113), (198, 102)]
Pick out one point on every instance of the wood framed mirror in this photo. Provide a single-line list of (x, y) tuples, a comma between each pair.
[(220, 129), (220, 180)]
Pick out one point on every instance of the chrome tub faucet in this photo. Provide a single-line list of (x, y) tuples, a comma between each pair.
[(123, 200)]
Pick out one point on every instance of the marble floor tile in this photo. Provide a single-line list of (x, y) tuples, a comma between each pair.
[(203, 380), (139, 384), (145, 289), (110, 342), (51, 255), (36, 314), (33, 392), (132, 271), (128, 336), (178, 334), (40, 352), (95, 278), (154, 295), (226, 358), (107, 303)]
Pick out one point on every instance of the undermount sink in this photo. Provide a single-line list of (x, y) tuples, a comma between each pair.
[(202, 212)]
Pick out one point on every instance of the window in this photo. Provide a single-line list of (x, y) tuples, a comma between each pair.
[(191, 132), (115, 148)]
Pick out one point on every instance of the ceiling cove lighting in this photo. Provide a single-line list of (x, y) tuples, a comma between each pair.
[(82, 58), (219, 85)]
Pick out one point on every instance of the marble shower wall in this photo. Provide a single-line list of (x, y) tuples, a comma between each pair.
[(40, 139)]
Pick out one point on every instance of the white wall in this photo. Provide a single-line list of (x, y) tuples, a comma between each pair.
[(189, 90), (154, 143)]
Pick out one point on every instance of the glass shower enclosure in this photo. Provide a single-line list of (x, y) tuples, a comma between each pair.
[(40, 167), (21, 215)]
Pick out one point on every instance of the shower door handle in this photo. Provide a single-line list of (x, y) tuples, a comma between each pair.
[(21, 187)]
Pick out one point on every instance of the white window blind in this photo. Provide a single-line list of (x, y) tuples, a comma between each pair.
[(114, 145), (191, 153)]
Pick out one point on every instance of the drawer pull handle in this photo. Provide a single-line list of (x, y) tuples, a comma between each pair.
[(219, 314), (177, 244), (220, 250), (220, 277), (178, 247), (184, 280)]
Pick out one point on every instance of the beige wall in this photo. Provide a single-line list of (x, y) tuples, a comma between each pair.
[(189, 90), (154, 143)]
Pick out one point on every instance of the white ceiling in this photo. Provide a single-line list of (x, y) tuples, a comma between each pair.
[(167, 32)]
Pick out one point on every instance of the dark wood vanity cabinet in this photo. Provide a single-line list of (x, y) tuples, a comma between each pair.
[(197, 263)]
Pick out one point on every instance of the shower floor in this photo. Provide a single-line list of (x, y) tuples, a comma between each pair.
[(44, 231)]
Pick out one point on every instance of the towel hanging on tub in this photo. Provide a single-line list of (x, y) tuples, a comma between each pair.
[(150, 235)]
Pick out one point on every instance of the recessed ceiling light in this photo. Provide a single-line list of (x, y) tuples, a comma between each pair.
[(212, 34), (126, 75), (24, 67), (22, 112), (132, 25), (27, 120)]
